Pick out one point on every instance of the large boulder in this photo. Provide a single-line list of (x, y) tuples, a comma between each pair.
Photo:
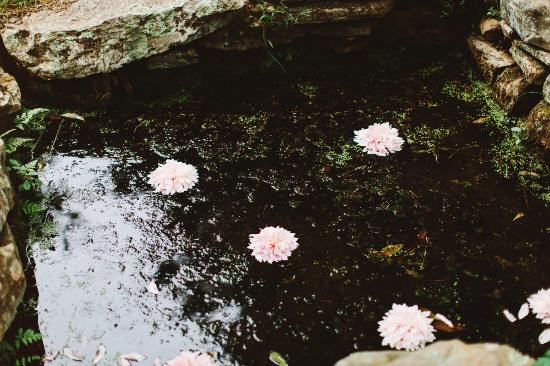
[(490, 60), (10, 95), (443, 353), (537, 124), (12, 277), (513, 92), (530, 19), (98, 36)]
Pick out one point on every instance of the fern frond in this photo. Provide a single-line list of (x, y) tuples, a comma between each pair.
[(13, 143)]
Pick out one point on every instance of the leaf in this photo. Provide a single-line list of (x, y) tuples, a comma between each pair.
[(519, 215), (412, 273), (73, 116), (51, 357), (73, 356), (523, 311), (509, 315), (390, 250), (544, 337), (99, 354), (152, 288), (422, 234), (277, 359), (133, 357), (481, 120), (439, 325), (26, 185)]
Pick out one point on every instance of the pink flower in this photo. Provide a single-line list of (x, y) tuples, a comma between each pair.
[(272, 244), (379, 139), (173, 177), (540, 304), (406, 327), (187, 358)]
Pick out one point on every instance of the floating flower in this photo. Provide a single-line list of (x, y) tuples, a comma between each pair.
[(272, 244), (406, 327), (173, 177), (187, 358), (540, 304), (379, 139)]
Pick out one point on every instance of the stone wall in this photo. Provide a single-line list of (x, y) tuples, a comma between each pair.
[(12, 278), (514, 57)]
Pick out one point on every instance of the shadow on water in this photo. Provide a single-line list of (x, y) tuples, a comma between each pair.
[(279, 151)]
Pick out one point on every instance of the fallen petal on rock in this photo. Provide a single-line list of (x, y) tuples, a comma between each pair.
[(123, 362), (133, 357), (152, 288), (157, 362), (444, 320), (73, 356), (99, 354), (51, 357)]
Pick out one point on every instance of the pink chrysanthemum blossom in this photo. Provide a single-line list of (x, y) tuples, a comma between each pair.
[(379, 139), (540, 304), (406, 327), (173, 177), (187, 358), (272, 244)]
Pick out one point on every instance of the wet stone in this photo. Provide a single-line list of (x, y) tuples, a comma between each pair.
[(535, 72), (537, 124), (511, 91), (490, 29), (538, 53), (490, 60)]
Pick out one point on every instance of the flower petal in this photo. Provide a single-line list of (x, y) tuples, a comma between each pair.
[(523, 311), (509, 316), (544, 337), (152, 288), (444, 320)]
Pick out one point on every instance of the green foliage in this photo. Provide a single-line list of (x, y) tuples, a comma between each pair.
[(509, 157), (425, 139), (4, 4), (27, 172), (543, 360), (275, 15), (340, 159), (12, 354), (14, 143), (31, 120), (29, 208), (494, 12)]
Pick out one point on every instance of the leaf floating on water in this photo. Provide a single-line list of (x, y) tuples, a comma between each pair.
[(51, 357), (73, 356), (544, 337), (277, 359), (509, 316), (519, 215), (99, 354), (422, 234), (73, 116), (523, 311), (481, 120), (152, 288), (133, 357), (412, 273), (123, 362), (444, 319), (390, 250)]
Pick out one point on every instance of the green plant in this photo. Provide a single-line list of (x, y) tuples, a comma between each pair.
[(27, 172), (11, 353), (494, 12), (4, 4)]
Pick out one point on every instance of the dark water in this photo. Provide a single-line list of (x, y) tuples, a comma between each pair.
[(279, 151)]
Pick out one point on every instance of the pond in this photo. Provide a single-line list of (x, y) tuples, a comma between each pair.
[(278, 151)]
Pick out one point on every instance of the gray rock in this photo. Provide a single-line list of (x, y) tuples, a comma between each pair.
[(10, 95), (538, 53), (534, 71), (546, 89), (173, 58), (97, 36), (12, 279), (537, 124), (530, 19), (507, 30), (443, 353), (513, 91), (490, 29), (490, 60)]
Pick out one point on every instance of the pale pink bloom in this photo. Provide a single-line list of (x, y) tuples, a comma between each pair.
[(406, 327), (379, 139), (187, 358), (272, 244), (540, 304), (173, 177)]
